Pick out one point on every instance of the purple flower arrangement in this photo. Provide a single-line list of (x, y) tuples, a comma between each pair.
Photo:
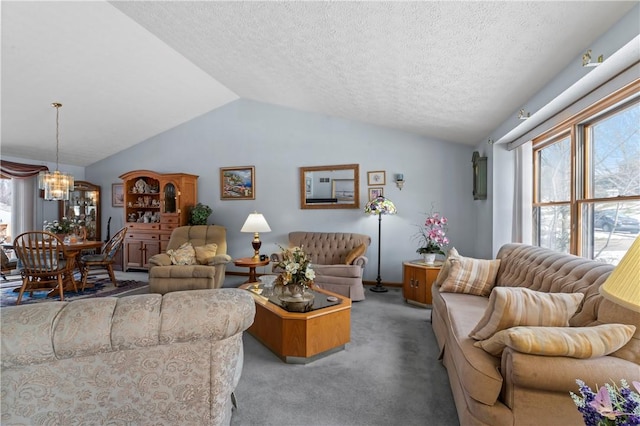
[(611, 405), (431, 235)]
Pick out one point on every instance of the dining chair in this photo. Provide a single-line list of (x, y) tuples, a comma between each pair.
[(45, 263), (104, 260)]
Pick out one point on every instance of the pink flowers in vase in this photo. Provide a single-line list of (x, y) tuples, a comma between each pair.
[(431, 235)]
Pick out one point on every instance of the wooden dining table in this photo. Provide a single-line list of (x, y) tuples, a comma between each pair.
[(73, 251)]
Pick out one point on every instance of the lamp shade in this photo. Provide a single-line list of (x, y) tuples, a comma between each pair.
[(255, 223), (623, 285), (380, 205)]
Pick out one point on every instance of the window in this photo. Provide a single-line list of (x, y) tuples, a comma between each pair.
[(587, 180), (5, 209)]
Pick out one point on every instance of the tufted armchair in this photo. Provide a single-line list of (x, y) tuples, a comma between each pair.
[(164, 276), (337, 259)]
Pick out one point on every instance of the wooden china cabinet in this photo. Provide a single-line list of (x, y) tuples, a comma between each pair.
[(417, 280), (83, 204), (154, 204)]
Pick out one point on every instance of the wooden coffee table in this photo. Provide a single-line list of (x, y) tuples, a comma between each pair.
[(299, 338)]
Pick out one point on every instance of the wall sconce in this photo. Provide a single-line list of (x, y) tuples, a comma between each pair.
[(399, 178), (586, 59), (522, 115)]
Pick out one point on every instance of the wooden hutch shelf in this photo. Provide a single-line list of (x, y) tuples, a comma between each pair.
[(154, 204)]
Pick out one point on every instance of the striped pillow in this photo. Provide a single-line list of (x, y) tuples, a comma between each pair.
[(470, 276), (512, 306), (446, 265), (574, 342)]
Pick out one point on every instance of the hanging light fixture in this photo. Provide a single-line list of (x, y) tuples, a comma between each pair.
[(56, 185)]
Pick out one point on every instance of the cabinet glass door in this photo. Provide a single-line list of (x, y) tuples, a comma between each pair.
[(83, 206), (170, 198)]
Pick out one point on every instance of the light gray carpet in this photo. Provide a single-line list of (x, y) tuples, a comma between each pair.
[(388, 375)]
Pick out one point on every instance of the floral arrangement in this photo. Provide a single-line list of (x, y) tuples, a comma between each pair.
[(431, 235), (297, 267), (611, 405), (63, 226)]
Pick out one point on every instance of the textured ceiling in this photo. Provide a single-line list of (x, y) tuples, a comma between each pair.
[(126, 71)]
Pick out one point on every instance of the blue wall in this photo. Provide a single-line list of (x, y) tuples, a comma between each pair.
[(277, 141)]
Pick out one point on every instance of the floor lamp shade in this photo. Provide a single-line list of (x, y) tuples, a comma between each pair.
[(256, 223), (379, 206), (623, 285)]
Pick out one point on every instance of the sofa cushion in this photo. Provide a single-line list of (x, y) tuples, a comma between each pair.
[(183, 255), (355, 253), (470, 276), (446, 266), (512, 306), (348, 271), (205, 253), (574, 342)]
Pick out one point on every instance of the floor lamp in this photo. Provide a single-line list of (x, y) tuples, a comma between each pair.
[(379, 206)]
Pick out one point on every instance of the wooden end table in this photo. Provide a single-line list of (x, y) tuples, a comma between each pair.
[(252, 264), (418, 277), (299, 338)]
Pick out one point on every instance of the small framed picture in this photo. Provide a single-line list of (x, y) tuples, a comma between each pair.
[(375, 193), (117, 195), (376, 178), (237, 183)]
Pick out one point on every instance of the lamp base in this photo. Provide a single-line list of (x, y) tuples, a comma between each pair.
[(379, 289)]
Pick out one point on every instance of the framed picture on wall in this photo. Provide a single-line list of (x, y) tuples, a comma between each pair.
[(117, 195), (376, 178), (237, 183), (375, 193)]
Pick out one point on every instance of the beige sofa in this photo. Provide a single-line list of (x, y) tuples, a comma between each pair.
[(519, 388), (328, 252), (144, 359), (165, 277)]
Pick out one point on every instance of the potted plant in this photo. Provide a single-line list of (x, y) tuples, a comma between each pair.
[(431, 237), (199, 214)]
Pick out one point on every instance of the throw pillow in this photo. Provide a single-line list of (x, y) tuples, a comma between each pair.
[(355, 253), (205, 253), (574, 342), (183, 255), (446, 266), (512, 306), (470, 276)]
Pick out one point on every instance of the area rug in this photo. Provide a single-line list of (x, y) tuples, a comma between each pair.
[(102, 287)]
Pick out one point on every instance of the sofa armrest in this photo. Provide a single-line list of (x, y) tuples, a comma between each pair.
[(161, 259), (360, 261), (219, 259), (559, 374)]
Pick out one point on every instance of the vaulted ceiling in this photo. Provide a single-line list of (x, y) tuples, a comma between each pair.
[(126, 71)]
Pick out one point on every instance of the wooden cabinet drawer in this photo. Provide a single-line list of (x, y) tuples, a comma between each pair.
[(165, 219), (142, 236)]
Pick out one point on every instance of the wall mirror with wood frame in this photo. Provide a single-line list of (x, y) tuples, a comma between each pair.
[(330, 187), (84, 205)]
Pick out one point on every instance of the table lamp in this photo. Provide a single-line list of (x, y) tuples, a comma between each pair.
[(623, 285), (379, 206), (256, 223)]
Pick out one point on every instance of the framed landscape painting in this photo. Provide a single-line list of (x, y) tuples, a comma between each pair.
[(237, 183)]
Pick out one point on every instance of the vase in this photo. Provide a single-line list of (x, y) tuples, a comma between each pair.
[(295, 298), (429, 258)]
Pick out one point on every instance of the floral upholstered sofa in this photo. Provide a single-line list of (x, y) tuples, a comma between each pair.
[(337, 258), (514, 345), (138, 360)]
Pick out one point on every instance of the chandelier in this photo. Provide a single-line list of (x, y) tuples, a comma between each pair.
[(56, 185)]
